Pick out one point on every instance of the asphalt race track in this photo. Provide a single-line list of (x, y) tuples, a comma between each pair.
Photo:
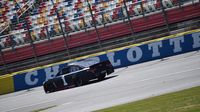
[(125, 85)]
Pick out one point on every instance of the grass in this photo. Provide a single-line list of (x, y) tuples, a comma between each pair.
[(182, 101)]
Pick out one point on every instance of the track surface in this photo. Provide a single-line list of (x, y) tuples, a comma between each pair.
[(125, 85)]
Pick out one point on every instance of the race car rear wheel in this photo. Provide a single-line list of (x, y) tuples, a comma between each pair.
[(101, 76), (78, 82)]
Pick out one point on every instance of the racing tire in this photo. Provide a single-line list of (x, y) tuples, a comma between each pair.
[(101, 77), (49, 89), (78, 82)]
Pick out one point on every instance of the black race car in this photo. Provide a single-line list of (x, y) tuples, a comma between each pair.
[(77, 74)]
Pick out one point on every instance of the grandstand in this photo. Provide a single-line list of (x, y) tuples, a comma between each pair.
[(38, 32)]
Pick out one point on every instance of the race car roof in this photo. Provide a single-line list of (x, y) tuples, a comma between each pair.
[(85, 63)]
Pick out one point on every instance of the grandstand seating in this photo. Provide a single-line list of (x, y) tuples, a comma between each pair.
[(75, 17), (11, 10)]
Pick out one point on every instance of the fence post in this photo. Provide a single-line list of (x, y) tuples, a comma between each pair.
[(128, 15), (29, 34), (66, 45), (4, 63), (97, 32), (179, 3), (165, 16)]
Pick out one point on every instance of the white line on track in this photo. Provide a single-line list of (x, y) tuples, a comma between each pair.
[(67, 103)]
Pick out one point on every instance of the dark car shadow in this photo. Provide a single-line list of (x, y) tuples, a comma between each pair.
[(96, 80)]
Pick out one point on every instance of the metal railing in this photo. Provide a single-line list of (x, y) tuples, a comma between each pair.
[(107, 45)]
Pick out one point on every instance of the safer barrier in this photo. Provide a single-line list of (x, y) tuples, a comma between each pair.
[(6, 84), (121, 57)]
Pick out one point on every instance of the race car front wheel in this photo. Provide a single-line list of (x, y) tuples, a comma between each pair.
[(49, 88)]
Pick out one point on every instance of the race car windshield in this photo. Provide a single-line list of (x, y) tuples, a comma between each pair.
[(63, 71), (74, 68), (69, 69), (84, 63)]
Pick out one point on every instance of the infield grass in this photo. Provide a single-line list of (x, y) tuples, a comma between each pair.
[(183, 101)]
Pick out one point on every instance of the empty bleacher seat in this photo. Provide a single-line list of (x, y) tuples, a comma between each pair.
[(137, 9), (98, 19), (19, 36), (2, 43), (167, 3), (75, 15)]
